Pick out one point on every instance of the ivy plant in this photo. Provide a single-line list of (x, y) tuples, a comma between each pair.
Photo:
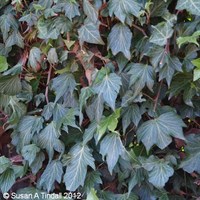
[(100, 98)]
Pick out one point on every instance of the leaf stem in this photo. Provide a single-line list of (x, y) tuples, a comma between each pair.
[(140, 29), (157, 96), (47, 85)]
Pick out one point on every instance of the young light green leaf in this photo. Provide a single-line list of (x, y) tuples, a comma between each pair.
[(77, 169), (108, 123), (89, 32), (189, 39), (121, 9), (48, 139), (29, 152), (4, 164), (52, 173), (196, 75), (34, 57), (111, 146), (119, 40), (196, 62), (108, 87), (92, 195), (193, 6), (63, 84), (159, 171), (3, 64), (161, 33), (7, 179), (159, 130), (10, 85)]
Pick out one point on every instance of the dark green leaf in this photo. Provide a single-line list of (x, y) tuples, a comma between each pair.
[(34, 57), (62, 84), (111, 147), (108, 87), (193, 6), (159, 171), (52, 173), (123, 8), (7, 179), (89, 32), (10, 85), (4, 164), (191, 163), (119, 40), (141, 75), (159, 131), (77, 169), (161, 33), (48, 139)]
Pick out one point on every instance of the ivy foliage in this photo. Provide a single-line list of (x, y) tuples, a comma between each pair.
[(101, 97)]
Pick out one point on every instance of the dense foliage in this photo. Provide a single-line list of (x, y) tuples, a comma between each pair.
[(100, 98)]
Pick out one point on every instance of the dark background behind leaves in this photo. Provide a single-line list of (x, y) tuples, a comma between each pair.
[(100, 97)]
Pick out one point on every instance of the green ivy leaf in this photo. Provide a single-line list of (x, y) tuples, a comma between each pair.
[(90, 11), (7, 179), (141, 75), (111, 146), (7, 22), (3, 64), (119, 40), (159, 130), (36, 165), (34, 57), (4, 164), (77, 169), (191, 163), (159, 8), (48, 139), (89, 132), (52, 173), (71, 9), (108, 88), (161, 33), (159, 171), (27, 127), (193, 6), (123, 8), (93, 179), (63, 84), (130, 114), (10, 85), (52, 56), (15, 39), (89, 32), (29, 152)]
